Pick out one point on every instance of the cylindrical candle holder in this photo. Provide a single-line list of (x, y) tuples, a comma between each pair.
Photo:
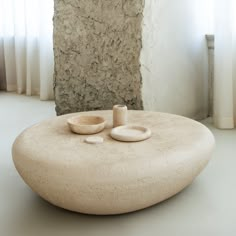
[(119, 115)]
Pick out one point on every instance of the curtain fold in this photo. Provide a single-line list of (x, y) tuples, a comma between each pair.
[(26, 51), (224, 114), (224, 77)]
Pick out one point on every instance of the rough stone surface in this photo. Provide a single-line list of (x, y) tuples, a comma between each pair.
[(97, 45), (112, 177)]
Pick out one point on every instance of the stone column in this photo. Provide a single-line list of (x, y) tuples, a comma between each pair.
[(97, 47)]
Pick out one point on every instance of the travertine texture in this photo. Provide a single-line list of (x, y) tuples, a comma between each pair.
[(97, 47), (112, 177)]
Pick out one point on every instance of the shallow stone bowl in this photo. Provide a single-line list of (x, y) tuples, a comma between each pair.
[(86, 124)]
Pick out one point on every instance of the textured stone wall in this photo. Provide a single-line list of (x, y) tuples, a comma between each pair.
[(97, 45)]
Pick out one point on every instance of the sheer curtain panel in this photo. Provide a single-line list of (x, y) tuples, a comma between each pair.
[(26, 47), (225, 64)]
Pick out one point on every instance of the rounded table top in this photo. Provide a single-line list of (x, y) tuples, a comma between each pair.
[(170, 133), (49, 154)]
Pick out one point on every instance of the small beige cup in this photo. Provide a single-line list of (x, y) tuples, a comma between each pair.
[(120, 116)]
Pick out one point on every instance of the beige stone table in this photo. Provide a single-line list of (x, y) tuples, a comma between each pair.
[(113, 177)]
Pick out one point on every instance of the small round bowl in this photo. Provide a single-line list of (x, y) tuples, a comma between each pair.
[(86, 124)]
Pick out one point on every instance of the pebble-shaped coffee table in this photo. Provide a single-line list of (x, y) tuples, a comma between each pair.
[(113, 177)]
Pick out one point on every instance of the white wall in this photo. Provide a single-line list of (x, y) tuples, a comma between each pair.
[(174, 57)]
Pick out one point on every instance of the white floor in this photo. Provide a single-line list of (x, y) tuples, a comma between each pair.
[(207, 207)]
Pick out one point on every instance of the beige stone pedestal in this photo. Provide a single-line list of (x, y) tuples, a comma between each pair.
[(112, 177)]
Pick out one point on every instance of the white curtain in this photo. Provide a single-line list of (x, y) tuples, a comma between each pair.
[(26, 47), (225, 64)]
